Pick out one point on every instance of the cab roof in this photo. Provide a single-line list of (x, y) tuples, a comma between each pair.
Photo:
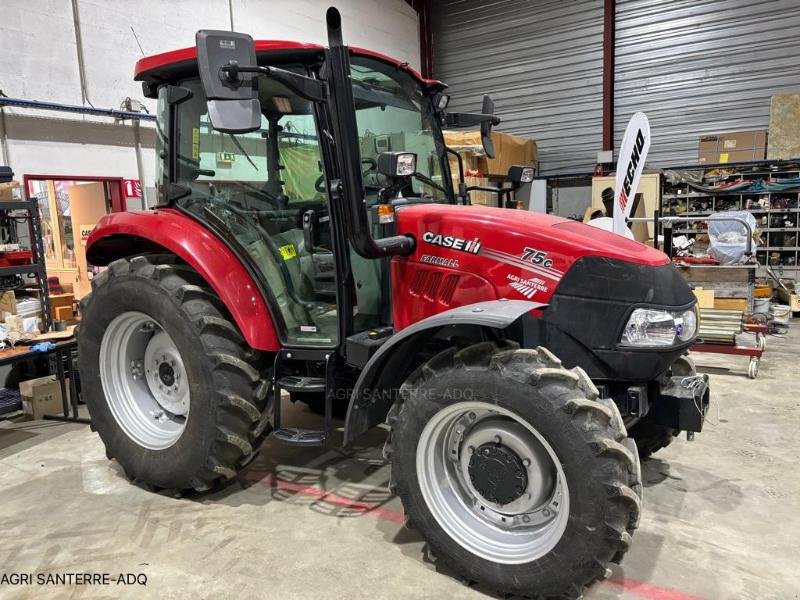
[(162, 67)]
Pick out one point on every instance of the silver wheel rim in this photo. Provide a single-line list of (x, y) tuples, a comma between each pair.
[(144, 380), (510, 533)]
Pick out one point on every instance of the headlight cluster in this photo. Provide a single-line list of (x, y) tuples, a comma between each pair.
[(656, 328)]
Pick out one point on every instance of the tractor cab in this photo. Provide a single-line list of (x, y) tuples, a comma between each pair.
[(251, 155)]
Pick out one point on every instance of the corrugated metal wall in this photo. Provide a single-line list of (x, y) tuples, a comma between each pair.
[(540, 60), (702, 66), (694, 66)]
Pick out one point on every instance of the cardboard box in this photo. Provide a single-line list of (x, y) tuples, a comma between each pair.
[(61, 301), (64, 313), (737, 146), (739, 304), (784, 126), (509, 150), (793, 300), (8, 303), (705, 298), (41, 396), (13, 304), (479, 197), (11, 192)]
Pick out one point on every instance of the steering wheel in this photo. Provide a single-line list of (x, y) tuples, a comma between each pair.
[(319, 184)]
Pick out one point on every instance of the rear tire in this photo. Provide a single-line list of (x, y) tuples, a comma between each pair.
[(529, 389), (226, 394)]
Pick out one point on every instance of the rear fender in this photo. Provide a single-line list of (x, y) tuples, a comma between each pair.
[(376, 388), (128, 233)]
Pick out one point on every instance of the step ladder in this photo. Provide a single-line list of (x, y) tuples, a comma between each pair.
[(295, 436)]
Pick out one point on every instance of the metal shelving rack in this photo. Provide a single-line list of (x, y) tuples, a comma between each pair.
[(37, 268), (776, 212)]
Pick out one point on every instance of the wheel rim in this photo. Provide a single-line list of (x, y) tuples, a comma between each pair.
[(469, 458), (144, 380)]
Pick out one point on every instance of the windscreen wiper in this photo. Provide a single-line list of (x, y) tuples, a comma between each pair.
[(427, 180), (243, 151)]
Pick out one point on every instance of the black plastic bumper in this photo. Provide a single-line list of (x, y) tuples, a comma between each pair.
[(682, 403)]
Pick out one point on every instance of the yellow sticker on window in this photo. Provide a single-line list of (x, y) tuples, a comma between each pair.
[(196, 143), (288, 251)]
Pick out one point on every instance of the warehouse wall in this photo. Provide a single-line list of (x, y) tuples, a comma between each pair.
[(540, 60), (694, 66), (702, 66), (40, 62)]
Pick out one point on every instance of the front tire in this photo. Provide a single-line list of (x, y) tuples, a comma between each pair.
[(194, 416), (560, 493)]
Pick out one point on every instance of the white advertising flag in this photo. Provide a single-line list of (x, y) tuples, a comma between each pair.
[(630, 164)]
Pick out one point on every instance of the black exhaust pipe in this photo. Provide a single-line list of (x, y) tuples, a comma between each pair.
[(350, 188)]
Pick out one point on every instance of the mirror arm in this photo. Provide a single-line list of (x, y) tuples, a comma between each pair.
[(305, 87), (469, 119), (461, 197)]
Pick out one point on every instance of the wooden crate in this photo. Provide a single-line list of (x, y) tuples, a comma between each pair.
[(705, 298), (793, 300), (731, 304)]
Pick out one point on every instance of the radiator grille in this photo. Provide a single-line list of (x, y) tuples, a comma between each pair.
[(434, 286)]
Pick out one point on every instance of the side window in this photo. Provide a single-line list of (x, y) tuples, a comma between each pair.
[(162, 140)]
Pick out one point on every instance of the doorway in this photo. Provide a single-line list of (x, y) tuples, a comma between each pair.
[(69, 208)]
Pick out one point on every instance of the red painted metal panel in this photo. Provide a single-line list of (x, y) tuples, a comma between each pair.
[(422, 290), (201, 249), (727, 349), (499, 253)]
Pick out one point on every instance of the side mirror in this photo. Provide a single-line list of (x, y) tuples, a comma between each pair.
[(486, 126), (485, 119), (231, 94)]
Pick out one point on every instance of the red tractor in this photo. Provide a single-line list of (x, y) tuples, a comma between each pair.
[(308, 240)]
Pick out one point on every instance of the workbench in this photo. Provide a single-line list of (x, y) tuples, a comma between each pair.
[(62, 352)]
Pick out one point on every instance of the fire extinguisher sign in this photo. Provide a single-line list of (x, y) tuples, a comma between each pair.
[(132, 188)]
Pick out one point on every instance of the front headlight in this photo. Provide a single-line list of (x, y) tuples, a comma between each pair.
[(656, 328), (689, 325)]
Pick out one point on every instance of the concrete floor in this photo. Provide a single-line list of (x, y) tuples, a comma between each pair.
[(720, 521)]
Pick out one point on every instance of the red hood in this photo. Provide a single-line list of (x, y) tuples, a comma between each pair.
[(511, 231)]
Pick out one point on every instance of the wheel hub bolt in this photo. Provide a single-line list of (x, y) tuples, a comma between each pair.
[(471, 449), (497, 439), (526, 462), (526, 519), (546, 513), (471, 416)]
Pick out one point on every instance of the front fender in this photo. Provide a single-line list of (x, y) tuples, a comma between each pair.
[(126, 233), (372, 396)]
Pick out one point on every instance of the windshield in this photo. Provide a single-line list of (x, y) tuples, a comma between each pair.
[(394, 115)]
